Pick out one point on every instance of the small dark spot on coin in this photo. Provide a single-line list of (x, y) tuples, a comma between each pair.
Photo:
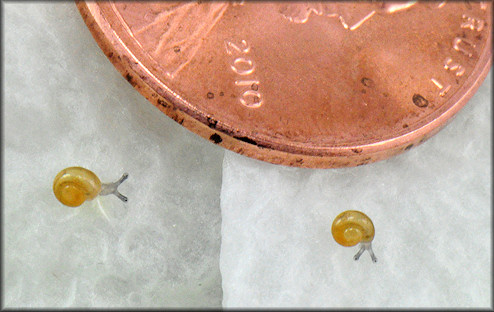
[(129, 79), (367, 82), (110, 54), (210, 95), (408, 147), (385, 94), (363, 91), (364, 161), (222, 93), (212, 123), (405, 126), (419, 100), (246, 140), (256, 99), (357, 150), (299, 160), (479, 37), (176, 49), (176, 118), (215, 138), (162, 103), (254, 87)]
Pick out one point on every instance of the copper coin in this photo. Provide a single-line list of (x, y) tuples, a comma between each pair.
[(308, 84)]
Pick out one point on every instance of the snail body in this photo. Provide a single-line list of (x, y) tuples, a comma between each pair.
[(352, 227), (74, 185)]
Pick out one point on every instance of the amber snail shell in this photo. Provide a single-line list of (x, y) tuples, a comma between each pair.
[(74, 185), (352, 227)]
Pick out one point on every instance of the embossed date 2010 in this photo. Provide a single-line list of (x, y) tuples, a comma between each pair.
[(245, 68)]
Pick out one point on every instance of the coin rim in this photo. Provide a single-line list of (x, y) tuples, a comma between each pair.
[(170, 103)]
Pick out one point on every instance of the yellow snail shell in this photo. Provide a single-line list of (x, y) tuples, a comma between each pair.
[(352, 227), (74, 185)]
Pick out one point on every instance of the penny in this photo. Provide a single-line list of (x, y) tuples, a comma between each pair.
[(308, 84)]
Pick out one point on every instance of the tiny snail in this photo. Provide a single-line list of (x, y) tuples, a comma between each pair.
[(352, 227), (74, 185)]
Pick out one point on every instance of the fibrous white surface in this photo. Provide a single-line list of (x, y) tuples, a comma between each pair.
[(430, 207), (66, 105)]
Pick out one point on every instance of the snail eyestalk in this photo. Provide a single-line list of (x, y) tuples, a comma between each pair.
[(364, 247), (112, 188), (354, 227)]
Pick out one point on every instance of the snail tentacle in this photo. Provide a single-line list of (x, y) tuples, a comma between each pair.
[(359, 253), (364, 247), (120, 196), (373, 257), (112, 188)]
